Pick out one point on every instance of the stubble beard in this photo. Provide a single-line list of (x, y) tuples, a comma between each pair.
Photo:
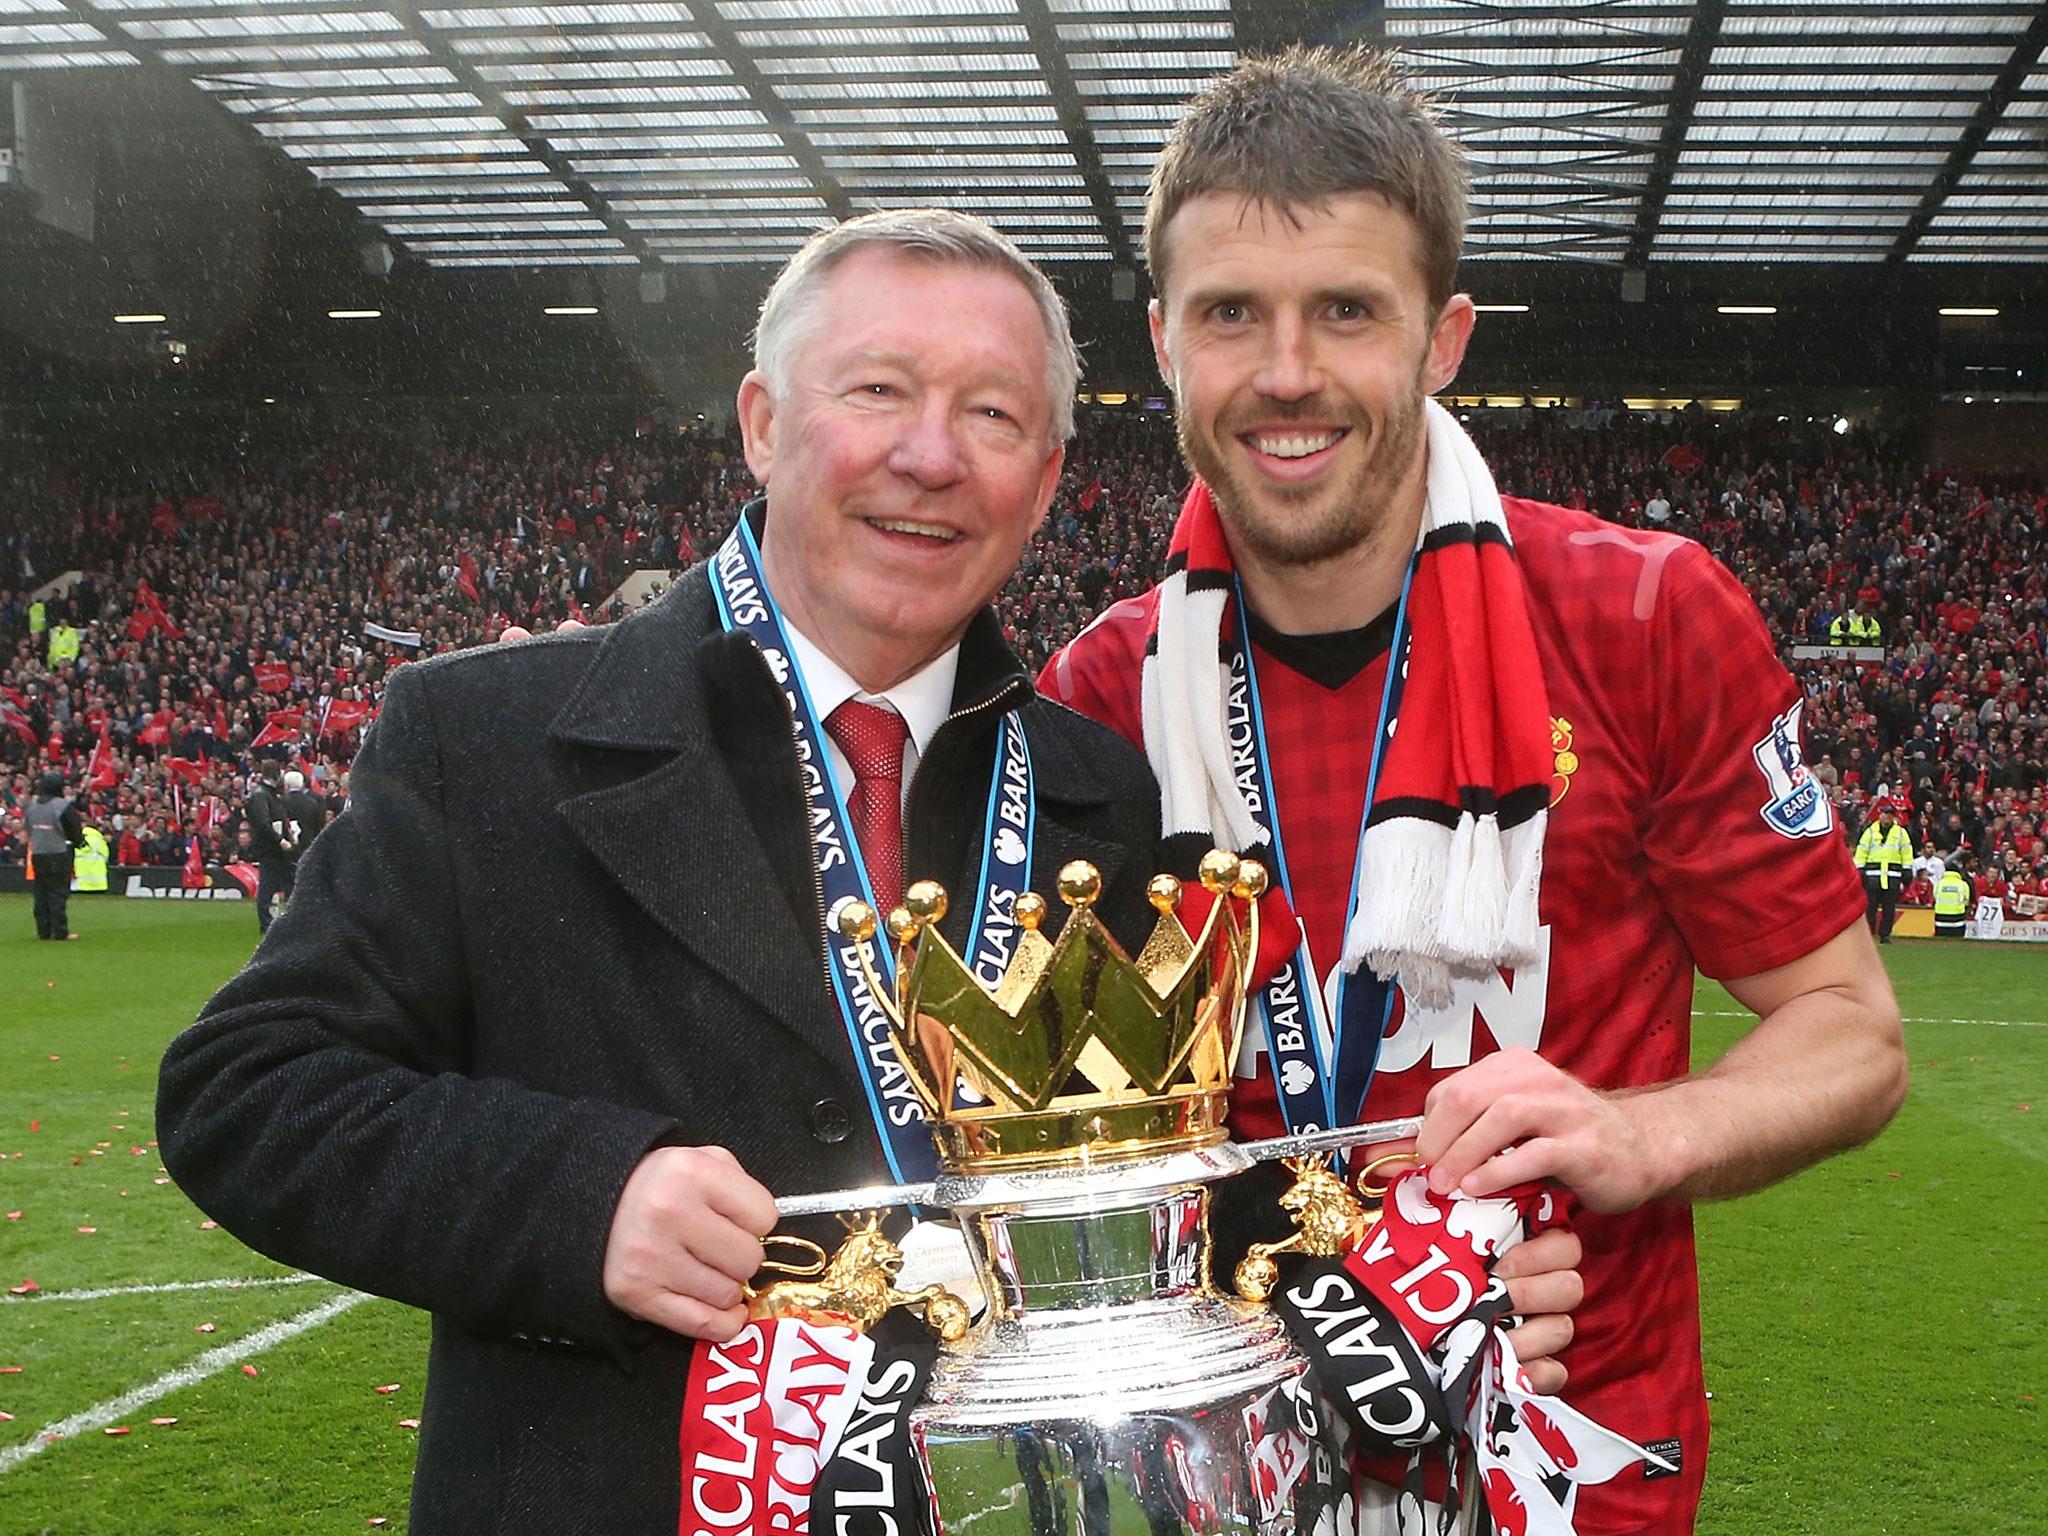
[(1298, 527)]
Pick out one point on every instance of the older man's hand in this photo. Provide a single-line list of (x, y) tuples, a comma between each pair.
[(685, 1236)]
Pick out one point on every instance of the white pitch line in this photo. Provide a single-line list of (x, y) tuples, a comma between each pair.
[(101, 1293), (214, 1361), (1738, 1013)]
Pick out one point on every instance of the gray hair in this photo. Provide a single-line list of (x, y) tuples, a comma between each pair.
[(790, 311)]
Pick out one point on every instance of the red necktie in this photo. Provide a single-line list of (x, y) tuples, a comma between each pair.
[(872, 738)]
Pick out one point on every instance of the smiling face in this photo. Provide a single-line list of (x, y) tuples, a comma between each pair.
[(907, 462), (1300, 345)]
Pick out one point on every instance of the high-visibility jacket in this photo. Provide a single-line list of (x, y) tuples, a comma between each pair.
[(38, 617), (89, 863), (64, 645), (1886, 855), (1951, 895), (1838, 630)]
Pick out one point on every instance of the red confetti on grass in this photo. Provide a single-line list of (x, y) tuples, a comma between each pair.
[(14, 1215), (26, 1288), (161, 1423), (376, 1520), (208, 1225), (6, 1418), (138, 1151), (386, 1391), (203, 1328), (164, 1180), (408, 1423), (10, 1370), (35, 1125), (88, 1230), (117, 1429), (249, 1370)]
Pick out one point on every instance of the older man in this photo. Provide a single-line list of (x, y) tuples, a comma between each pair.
[(1518, 771), (553, 1007)]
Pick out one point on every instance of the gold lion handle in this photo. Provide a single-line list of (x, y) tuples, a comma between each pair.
[(855, 1285), (1329, 1220)]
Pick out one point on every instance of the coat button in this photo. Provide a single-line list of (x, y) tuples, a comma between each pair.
[(829, 1121)]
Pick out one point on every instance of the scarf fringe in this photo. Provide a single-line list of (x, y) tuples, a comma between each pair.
[(1454, 905)]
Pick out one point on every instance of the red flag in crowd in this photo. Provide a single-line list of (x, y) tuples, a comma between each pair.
[(576, 612), (149, 615), (210, 813), (343, 716), (17, 722), (100, 769), (195, 868), (283, 725), (204, 506), (465, 578), (190, 769), (1683, 458), (244, 875), (158, 732), (272, 676), (1091, 494), (165, 518)]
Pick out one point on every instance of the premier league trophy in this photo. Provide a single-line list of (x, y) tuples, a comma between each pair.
[(1109, 1386)]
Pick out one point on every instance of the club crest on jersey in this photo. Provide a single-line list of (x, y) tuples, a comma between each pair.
[(1798, 806), (1564, 762)]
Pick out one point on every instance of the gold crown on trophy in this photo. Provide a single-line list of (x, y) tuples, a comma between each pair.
[(1079, 1052)]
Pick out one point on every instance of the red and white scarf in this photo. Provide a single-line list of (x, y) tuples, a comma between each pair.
[(1452, 851)]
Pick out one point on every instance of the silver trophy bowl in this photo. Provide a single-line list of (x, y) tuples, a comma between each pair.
[(1110, 1389)]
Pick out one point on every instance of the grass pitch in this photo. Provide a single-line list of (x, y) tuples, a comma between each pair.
[(1874, 1336)]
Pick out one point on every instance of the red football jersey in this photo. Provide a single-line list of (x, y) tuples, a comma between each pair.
[(1684, 831)]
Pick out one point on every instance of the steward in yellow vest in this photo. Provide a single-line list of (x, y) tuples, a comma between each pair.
[(89, 862), (1953, 897), (1884, 853)]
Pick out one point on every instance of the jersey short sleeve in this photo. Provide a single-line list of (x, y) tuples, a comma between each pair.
[(1099, 672), (1743, 846)]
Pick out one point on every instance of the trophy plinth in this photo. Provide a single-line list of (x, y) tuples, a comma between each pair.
[(1078, 1108)]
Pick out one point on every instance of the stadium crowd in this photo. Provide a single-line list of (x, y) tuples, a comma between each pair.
[(243, 602)]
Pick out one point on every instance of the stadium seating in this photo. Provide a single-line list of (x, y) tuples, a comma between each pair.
[(243, 599)]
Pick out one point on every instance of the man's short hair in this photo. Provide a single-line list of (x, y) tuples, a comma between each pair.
[(1302, 127), (926, 234)]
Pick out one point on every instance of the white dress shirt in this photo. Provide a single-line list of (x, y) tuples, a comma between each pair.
[(923, 699)]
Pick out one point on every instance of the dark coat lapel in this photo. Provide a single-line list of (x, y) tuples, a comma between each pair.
[(668, 820)]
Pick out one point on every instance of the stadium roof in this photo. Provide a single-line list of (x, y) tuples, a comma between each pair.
[(1624, 133)]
